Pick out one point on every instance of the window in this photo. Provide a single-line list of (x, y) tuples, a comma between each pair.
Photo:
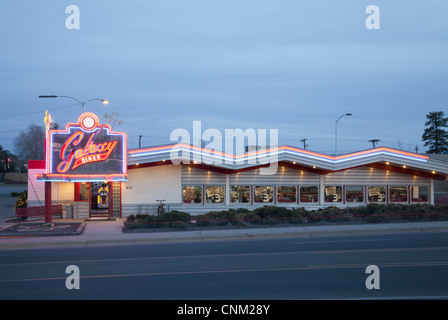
[(263, 193), (82, 191), (376, 194), (333, 194), (240, 194), (286, 194), (214, 194), (354, 194), (192, 194), (419, 194), (309, 194), (398, 194)]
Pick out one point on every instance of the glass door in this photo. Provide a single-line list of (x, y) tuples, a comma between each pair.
[(100, 199)]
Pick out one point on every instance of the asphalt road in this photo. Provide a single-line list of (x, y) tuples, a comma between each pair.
[(411, 266)]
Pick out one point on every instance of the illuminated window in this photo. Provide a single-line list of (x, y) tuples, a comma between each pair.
[(354, 194), (192, 194), (376, 194), (263, 194), (419, 194), (398, 194), (286, 194), (333, 194), (240, 194), (82, 191), (214, 194), (309, 194)]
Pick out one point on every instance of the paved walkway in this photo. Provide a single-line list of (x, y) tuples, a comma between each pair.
[(98, 233)]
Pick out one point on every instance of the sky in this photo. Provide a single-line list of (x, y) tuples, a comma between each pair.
[(291, 65)]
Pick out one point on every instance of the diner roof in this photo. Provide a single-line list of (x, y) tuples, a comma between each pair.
[(301, 159)]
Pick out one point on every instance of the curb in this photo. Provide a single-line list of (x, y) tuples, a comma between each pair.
[(79, 239)]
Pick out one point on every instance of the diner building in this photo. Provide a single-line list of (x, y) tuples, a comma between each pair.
[(91, 173)]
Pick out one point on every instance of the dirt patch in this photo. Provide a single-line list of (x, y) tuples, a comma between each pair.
[(43, 229)]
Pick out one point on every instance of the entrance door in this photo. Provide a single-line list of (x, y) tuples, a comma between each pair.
[(100, 199)]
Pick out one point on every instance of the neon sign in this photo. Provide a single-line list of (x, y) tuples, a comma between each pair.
[(84, 150), (90, 153)]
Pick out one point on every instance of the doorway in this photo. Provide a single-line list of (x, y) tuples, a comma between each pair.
[(100, 199)]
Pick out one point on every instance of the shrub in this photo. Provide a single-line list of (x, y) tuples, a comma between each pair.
[(215, 218), (22, 200), (247, 218)]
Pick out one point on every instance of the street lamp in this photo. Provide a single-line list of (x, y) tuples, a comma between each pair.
[(336, 133), (104, 101)]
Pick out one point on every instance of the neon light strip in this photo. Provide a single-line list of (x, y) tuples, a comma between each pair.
[(81, 177), (290, 150)]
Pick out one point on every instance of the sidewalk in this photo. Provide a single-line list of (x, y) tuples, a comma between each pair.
[(99, 233)]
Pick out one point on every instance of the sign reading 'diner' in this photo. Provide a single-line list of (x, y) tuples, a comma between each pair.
[(86, 150)]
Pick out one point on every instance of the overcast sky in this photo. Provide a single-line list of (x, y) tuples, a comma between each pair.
[(290, 65)]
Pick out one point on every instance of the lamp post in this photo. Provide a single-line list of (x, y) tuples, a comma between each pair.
[(140, 141), (104, 101), (336, 133)]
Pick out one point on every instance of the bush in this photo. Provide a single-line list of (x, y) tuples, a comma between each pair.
[(173, 219), (247, 218), (215, 218), (22, 200), (271, 215)]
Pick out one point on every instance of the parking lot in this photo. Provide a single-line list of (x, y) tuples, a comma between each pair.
[(6, 201)]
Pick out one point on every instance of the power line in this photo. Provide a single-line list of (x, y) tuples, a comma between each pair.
[(36, 112)]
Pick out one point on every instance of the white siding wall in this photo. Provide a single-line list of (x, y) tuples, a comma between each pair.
[(372, 176), (284, 176), (36, 189), (146, 185)]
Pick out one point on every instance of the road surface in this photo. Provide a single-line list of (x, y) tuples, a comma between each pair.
[(411, 266)]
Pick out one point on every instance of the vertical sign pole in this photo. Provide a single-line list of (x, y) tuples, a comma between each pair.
[(48, 202)]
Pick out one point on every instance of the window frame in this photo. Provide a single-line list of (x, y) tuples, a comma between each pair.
[(403, 188), (411, 191), (278, 187), (205, 198), (362, 191), (267, 186), (201, 187), (239, 202), (377, 186), (308, 202), (341, 200)]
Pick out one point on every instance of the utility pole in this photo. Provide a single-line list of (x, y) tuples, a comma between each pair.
[(374, 141), (140, 141), (416, 149), (304, 143)]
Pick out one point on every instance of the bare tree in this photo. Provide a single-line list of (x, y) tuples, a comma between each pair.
[(30, 143)]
